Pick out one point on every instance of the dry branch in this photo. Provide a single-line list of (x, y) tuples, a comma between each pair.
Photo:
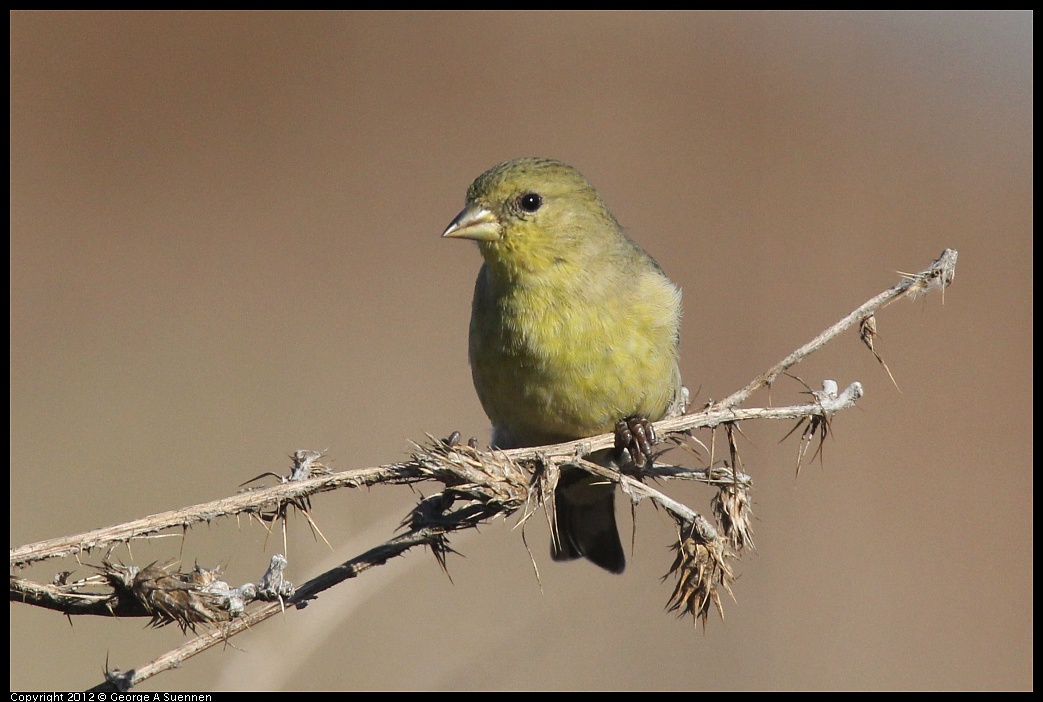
[(477, 486)]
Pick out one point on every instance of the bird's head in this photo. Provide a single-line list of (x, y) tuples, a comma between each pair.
[(530, 214)]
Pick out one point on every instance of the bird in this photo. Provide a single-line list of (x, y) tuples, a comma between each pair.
[(574, 332)]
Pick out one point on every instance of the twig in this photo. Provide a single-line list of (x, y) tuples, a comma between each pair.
[(257, 501), (940, 273), (117, 681)]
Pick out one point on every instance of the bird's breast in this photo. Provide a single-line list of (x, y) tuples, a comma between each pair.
[(558, 362)]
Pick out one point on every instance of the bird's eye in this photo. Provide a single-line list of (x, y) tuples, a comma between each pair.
[(530, 202)]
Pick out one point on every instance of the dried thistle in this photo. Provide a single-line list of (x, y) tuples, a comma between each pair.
[(731, 506), (171, 596), (829, 401), (474, 475), (478, 486), (192, 598), (702, 571)]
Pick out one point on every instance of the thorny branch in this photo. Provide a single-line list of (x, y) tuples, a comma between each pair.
[(940, 274), (477, 487)]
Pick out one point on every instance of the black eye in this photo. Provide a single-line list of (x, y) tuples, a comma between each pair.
[(530, 202)]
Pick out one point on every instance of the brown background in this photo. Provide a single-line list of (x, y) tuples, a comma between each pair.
[(224, 247)]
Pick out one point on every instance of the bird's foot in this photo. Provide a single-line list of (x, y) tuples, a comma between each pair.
[(454, 440), (635, 435)]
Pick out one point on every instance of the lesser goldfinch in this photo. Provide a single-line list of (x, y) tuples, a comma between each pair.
[(574, 327)]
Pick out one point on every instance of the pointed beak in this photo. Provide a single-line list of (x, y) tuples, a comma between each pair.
[(475, 223)]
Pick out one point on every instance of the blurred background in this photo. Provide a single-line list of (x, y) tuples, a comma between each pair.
[(225, 247)]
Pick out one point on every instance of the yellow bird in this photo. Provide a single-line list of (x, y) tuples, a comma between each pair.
[(574, 332)]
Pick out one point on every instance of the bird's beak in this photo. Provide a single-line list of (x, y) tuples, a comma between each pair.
[(474, 222)]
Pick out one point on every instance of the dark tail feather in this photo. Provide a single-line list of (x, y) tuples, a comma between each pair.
[(585, 520)]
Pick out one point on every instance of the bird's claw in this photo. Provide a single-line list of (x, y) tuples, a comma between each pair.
[(453, 440), (637, 436)]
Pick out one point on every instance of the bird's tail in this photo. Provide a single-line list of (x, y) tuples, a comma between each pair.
[(585, 521)]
